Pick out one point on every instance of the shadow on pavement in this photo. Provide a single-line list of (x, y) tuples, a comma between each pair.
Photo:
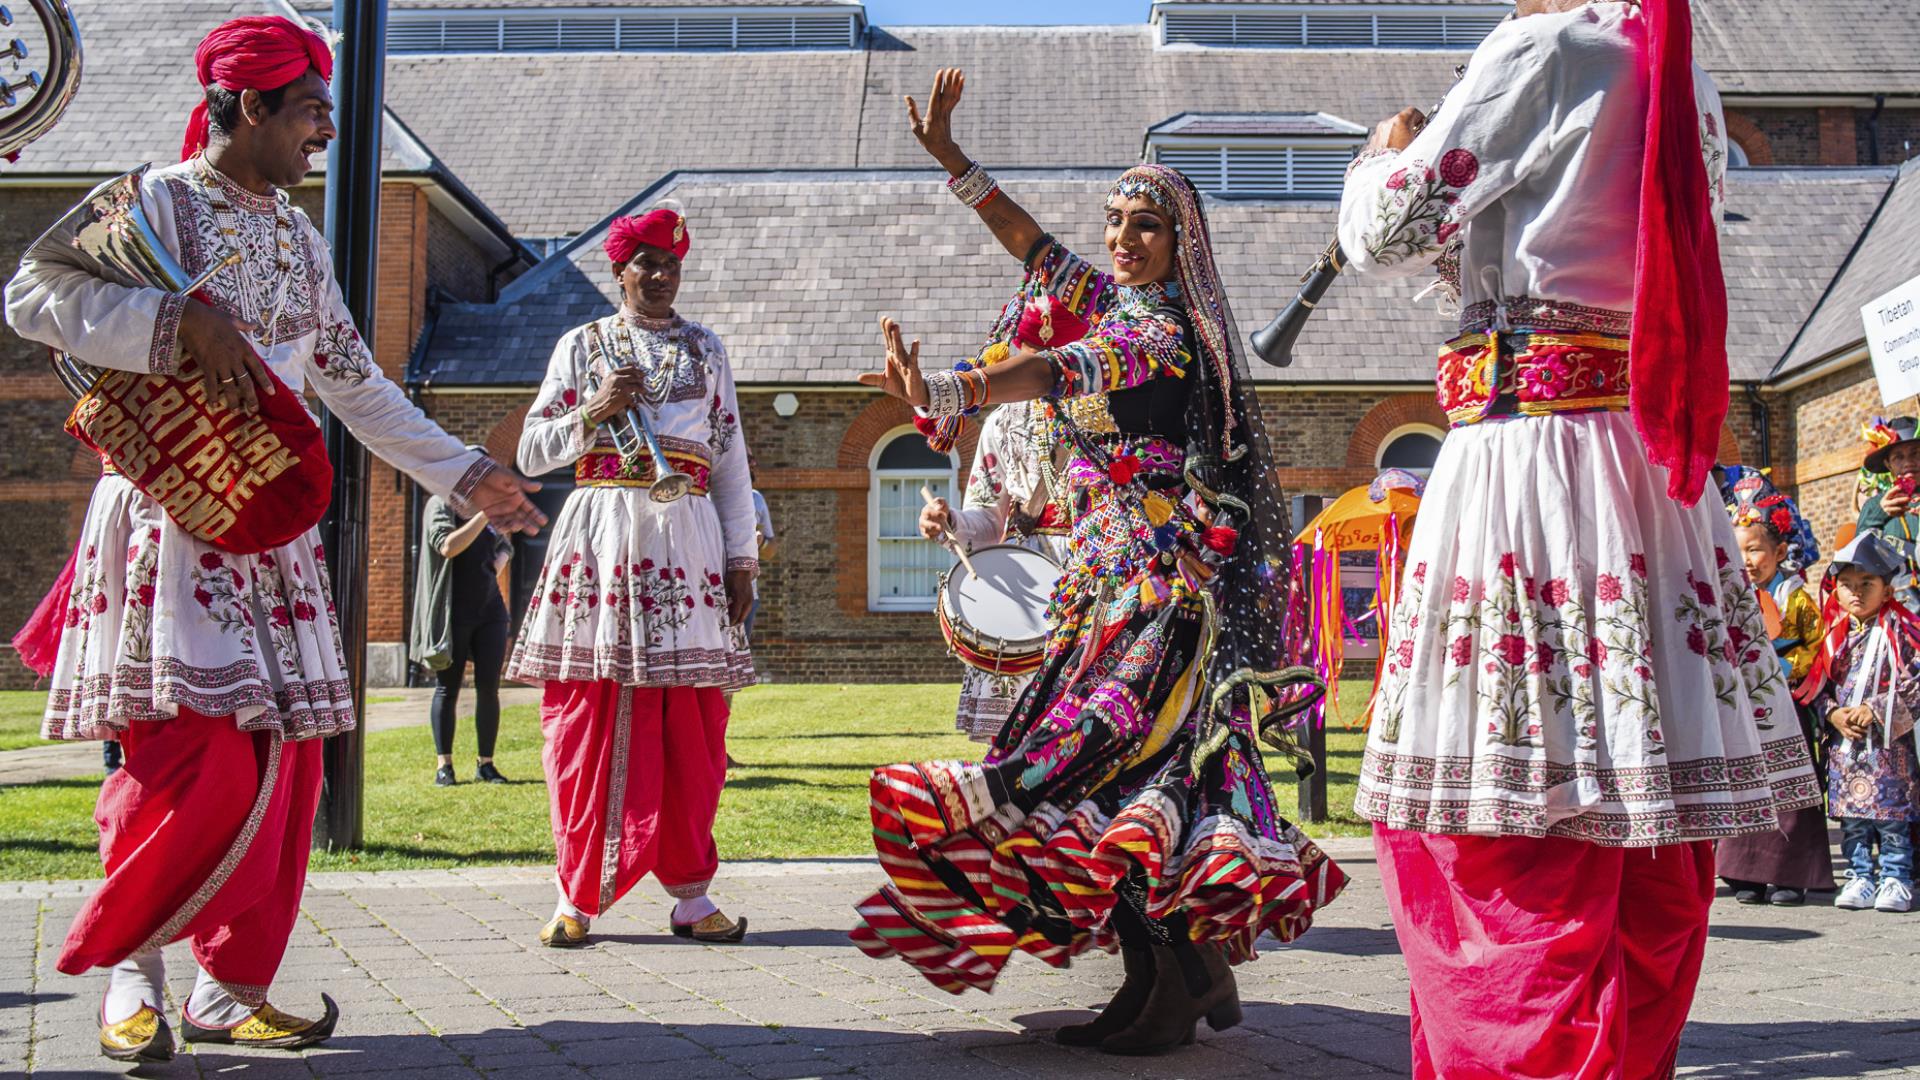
[(1803, 1048)]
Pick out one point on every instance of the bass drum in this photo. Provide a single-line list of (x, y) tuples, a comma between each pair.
[(995, 619)]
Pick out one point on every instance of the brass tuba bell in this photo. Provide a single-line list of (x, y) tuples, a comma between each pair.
[(47, 96)]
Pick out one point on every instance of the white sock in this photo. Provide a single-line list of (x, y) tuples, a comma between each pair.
[(133, 982), (211, 1006), (565, 906), (692, 909)]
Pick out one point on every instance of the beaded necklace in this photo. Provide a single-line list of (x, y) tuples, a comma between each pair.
[(663, 356), (216, 187)]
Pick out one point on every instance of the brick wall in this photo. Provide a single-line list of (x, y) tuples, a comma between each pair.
[(1822, 424), (1899, 137), (1792, 135), (454, 262)]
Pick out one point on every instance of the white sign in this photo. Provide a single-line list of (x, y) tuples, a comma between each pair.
[(1893, 340)]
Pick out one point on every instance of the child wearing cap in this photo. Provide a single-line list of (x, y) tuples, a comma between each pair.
[(1865, 686), (1893, 512)]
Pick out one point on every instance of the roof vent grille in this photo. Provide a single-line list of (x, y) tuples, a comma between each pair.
[(538, 31), (1350, 29)]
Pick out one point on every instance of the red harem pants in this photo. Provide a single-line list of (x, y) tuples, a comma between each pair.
[(204, 833), (633, 776), (1546, 957)]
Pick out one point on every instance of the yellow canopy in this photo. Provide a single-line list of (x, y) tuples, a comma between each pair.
[(1354, 521)]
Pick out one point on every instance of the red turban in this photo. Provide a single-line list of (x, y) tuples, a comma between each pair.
[(662, 228), (1677, 352), (258, 52)]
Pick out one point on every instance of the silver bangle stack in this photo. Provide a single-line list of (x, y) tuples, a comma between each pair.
[(945, 394), (974, 187)]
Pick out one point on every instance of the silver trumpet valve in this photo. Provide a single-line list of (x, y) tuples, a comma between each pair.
[(633, 434)]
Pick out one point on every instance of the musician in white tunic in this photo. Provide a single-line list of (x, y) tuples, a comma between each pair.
[(1578, 694), (219, 672), (635, 627), (1008, 500)]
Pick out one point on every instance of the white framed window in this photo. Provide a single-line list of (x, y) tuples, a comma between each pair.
[(1737, 156), (1413, 447), (903, 568)]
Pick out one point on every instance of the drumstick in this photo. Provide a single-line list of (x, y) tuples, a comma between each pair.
[(952, 544)]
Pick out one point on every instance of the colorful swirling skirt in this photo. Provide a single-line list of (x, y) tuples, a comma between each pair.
[(1091, 783)]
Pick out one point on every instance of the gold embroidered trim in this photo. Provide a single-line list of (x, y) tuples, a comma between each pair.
[(616, 798), (269, 781)]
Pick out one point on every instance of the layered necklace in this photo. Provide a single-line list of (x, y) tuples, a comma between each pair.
[(220, 193), (654, 353)]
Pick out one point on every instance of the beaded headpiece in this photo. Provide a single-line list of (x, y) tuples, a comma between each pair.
[(1755, 501), (1199, 279)]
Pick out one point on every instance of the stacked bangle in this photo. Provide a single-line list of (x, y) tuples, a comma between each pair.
[(976, 187), (945, 397)]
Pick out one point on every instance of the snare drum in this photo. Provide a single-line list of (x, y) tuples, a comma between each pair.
[(997, 621)]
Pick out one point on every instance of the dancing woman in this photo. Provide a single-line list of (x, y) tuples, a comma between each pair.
[(1125, 797)]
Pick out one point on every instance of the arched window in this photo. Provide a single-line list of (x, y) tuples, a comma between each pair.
[(1737, 156), (1413, 447), (903, 569)]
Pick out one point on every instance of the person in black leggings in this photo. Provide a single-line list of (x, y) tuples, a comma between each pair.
[(465, 620)]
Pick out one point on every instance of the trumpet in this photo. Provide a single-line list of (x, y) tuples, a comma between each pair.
[(633, 433)]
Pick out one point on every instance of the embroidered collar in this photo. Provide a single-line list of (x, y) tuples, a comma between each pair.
[(641, 322), (239, 196), (1153, 295)]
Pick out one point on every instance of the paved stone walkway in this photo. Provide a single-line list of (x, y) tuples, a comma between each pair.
[(439, 976)]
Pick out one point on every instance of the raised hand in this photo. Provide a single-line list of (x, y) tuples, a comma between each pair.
[(934, 131), (1396, 132), (901, 378)]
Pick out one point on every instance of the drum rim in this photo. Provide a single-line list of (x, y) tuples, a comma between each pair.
[(954, 630)]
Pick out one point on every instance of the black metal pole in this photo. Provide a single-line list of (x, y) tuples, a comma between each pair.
[(1313, 790), (353, 229)]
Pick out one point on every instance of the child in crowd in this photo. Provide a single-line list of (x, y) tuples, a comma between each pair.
[(1894, 513), (1776, 543), (1865, 685)]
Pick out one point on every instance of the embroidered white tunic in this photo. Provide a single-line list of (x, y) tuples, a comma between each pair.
[(1006, 477), (1573, 652), (157, 620), (633, 590)]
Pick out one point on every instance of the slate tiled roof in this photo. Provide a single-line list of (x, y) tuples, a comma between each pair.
[(1888, 255), (794, 269)]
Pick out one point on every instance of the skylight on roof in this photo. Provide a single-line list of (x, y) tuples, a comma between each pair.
[(1327, 26), (1258, 155), (537, 30)]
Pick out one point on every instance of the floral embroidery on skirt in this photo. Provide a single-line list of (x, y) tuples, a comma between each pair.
[(1575, 654)]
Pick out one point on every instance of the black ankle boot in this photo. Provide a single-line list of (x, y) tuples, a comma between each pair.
[(1125, 1007), (1167, 1020)]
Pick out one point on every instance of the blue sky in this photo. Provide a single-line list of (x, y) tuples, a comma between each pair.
[(1004, 12)]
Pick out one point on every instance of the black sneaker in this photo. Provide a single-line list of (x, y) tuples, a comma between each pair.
[(443, 776), (1787, 897), (1750, 894), (487, 774)]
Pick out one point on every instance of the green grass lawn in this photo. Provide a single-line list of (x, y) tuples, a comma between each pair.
[(806, 752), (20, 718)]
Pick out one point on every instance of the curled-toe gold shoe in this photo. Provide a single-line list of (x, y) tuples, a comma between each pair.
[(715, 929), (564, 932), (142, 1037), (268, 1028)]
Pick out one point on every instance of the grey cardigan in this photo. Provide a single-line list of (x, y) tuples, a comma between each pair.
[(432, 639)]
